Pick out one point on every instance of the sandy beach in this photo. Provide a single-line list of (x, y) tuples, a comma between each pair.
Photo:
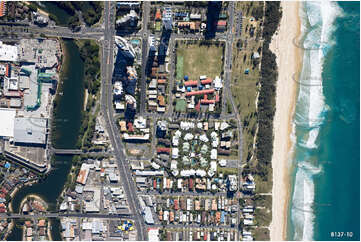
[(289, 60)]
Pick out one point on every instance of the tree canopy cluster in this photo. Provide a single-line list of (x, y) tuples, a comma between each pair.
[(91, 11), (266, 102), (89, 53)]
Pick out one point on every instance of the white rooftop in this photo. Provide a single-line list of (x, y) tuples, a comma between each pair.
[(8, 52), (30, 130), (7, 122)]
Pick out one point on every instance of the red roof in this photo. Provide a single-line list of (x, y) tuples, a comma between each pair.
[(161, 81), (176, 206), (154, 184), (206, 81), (158, 15), (204, 101), (191, 83), (190, 183), (199, 92), (2, 8), (217, 98), (130, 127), (198, 106), (163, 150), (222, 23), (7, 70)]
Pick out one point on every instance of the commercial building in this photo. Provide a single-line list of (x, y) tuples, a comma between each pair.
[(83, 174), (8, 52), (167, 18), (153, 234), (30, 130), (7, 122)]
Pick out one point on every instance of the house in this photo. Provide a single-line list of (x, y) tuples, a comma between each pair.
[(161, 101), (175, 152), (161, 81), (165, 142), (176, 204), (221, 25), (122, 125), (162, 150)]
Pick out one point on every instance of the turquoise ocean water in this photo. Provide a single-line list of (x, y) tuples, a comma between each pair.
[(325, 196)]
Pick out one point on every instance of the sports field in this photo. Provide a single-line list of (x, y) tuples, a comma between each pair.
[(198, 59)]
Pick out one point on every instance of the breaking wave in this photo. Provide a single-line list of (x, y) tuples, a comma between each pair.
[(317, 26)]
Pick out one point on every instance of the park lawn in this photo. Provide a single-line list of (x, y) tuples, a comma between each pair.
[(227, 170), (180, 62), (181, 105), (245, 90), (200, 59)]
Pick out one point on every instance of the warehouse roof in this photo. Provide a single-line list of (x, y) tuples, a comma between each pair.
[(7, 122), (8, 52), (30, 130)]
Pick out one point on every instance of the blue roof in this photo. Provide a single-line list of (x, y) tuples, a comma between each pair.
[(7, 165), (222, 216)]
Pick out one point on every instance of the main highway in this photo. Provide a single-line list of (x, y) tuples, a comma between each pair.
[(107, 64), (105, 36), (62, 215)]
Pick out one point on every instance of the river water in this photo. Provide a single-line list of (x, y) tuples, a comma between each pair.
[(67, 123)]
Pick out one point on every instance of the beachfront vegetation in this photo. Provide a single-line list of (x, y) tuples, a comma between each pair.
[(245, 85), (254, 91), (267, 94), (253, 88), (196, 58), (261, 234)]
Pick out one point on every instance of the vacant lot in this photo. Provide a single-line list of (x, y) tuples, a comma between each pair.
[(199, 58)]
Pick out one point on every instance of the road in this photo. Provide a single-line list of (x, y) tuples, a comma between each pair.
[(106, 37), (145, 35), (189, 194), (228, 94), (63, 215), (107, 111), (193, 225)]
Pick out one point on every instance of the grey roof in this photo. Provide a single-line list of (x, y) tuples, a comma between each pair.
[(148, 217), (30, 130)]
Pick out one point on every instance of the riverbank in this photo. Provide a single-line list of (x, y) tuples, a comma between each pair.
[(289, 61)]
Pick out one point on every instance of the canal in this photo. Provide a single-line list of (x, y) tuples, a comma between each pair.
[(67, 120), (62, 17)]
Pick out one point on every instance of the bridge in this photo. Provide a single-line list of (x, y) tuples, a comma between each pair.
[(67, 151)]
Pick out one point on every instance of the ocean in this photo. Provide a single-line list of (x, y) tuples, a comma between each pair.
[(325, 178)]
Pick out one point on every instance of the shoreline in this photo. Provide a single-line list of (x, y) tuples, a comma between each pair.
[(289, 61)]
